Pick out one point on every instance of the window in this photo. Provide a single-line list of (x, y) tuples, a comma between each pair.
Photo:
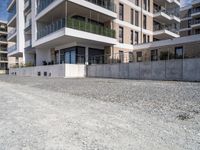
[(197, 31), (148, 38), (136, 37), (139, 56), (131, 57), (154, 55), (121, 56), (189, 23), (132, 16), (149, 6), (121, 11), (121, 34), (132, 37), (179, 53), (136, 18), (145, 4), (137, 2), (144, 21), (144, 38)]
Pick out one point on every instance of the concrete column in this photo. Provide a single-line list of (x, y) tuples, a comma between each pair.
[(86, 55)]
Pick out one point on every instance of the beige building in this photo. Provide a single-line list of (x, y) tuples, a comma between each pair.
[(60, 31), (3, 47), (190, 19)]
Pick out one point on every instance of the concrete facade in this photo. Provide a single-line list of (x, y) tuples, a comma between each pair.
[(61, 70), (178, 70)]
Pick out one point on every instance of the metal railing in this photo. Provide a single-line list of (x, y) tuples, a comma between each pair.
[(3, 29), (75, 24), (12, 14), (110, 5), (3, 49), (42, 4)]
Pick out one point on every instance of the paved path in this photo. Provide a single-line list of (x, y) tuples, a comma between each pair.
[(35, 117)]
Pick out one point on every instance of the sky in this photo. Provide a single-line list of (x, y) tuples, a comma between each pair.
[(3, 12), (3, 6)]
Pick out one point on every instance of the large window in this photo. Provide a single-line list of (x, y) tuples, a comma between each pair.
[(144, 38), (132, 37), (136, 37), (145, 4), (136, 18), (121, 11), (121, 56), (139, 56), (132, 16), (121, 34), (179, 53), (137, 2), (144, 21), (154, 55), (131, 57)]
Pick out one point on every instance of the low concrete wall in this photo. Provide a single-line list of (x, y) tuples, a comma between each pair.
[(62, 70), (180, 70)]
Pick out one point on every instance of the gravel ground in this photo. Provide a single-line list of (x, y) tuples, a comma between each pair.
[(47, 113)]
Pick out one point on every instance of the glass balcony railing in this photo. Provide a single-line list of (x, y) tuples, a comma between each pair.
[(194, 22), (107, 4), (12, 32), (195, 10), (168, 12), (166, 27), (12, 48), (75, 24), (2, 49), (42, 4), (11, 14), (3, 59), (3, 29)]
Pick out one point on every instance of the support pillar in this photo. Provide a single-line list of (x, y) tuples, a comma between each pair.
[(86, 55)]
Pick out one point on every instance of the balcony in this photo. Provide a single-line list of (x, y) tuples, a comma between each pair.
[(3, 59), (3, 50), (78, 25), (195, 12), (10, 3), (12, 18), (27, 24), (3, 30), (42, 4), (166, 16), (28, 43), (27, 5), (12, 49), (11, 34), (164, 32), (195, 23)]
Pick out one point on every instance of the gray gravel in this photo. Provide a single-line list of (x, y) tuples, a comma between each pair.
[(47, 113)]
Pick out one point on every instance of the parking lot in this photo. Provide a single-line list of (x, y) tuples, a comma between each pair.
[(98, 114)]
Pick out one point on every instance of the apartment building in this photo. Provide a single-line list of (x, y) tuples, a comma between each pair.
[(3, 47), (74, 31), (190, 19)]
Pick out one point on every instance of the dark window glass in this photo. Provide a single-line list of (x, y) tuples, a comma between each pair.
[(121, 34), (178, 52), (121, 11)]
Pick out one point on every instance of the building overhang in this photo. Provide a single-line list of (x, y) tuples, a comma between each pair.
[(69, 35), (165, 34)]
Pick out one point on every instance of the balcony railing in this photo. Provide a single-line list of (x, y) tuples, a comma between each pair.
[(12, 48), (78, 25), (168, 12), (8, 3), (3, 39), (3, 59), (195, 22), (166, 27), (27, 43), (195, 10), (12, 32), (110, 5), (3, 49), (3, 29), (11, 15), (42, 4), (27, 24)]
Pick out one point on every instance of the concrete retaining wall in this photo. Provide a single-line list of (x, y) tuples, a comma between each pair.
[(181, 70), (62, 70)]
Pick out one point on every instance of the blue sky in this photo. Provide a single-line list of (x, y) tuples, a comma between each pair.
[(3, 5), (3, 13)]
